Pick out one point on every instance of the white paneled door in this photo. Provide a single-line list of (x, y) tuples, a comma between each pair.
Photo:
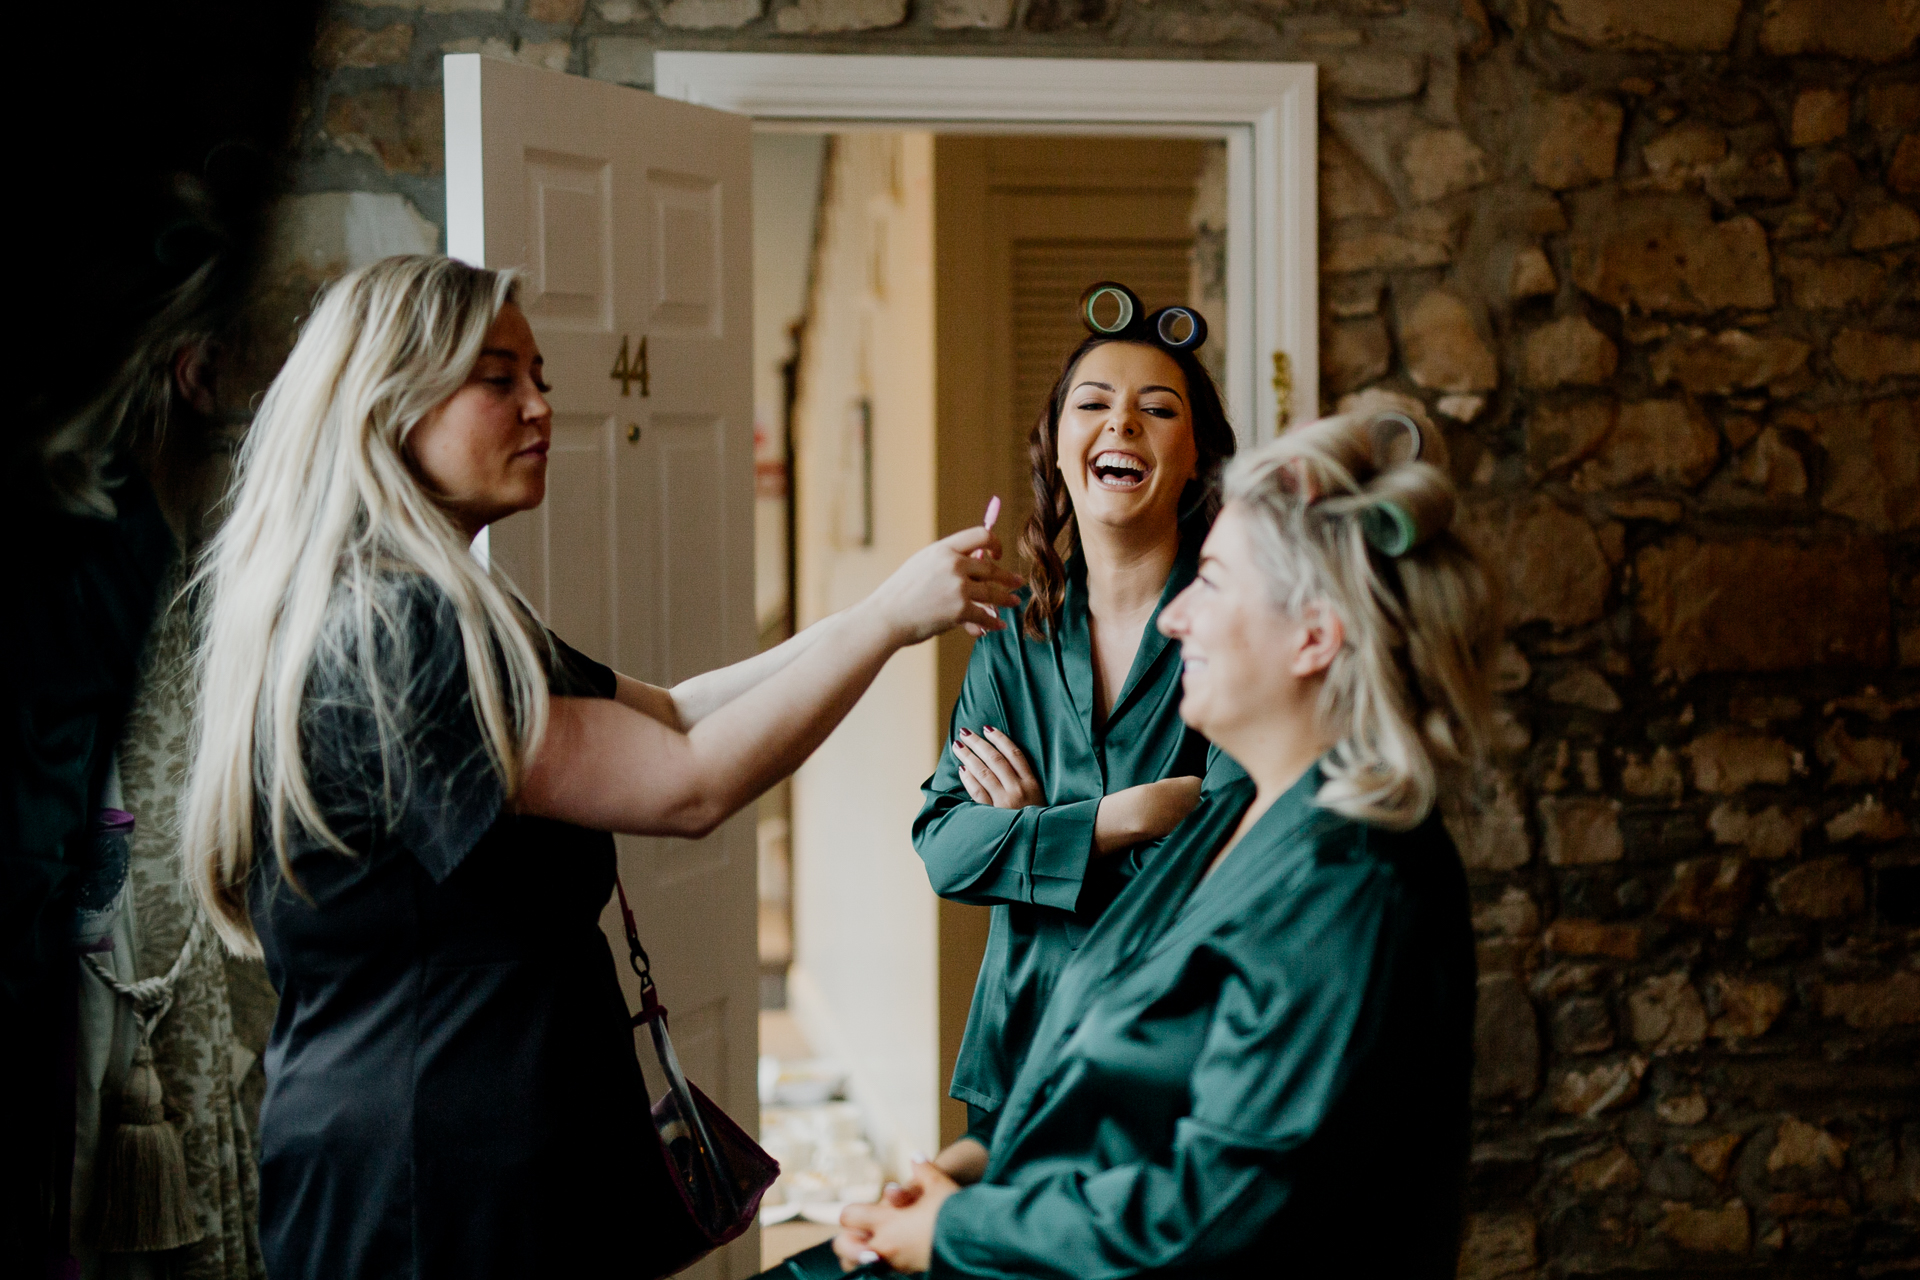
[(628, 215)]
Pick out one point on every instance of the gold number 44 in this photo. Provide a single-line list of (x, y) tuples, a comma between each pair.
[(631, 366)]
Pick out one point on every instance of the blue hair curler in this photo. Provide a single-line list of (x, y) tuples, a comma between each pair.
[(1166, 324)]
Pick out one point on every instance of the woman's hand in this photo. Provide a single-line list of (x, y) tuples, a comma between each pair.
[(901, 1237), (944, 585), (996, 772), (1142, 813)]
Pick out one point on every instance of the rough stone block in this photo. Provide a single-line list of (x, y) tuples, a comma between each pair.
[(621, 60), (1885, 225), (1820, 116), (1865, 356), (1893, 106), (1609, 1170), (1772, 466), (1576, 142), (1599, 1089), (1506, 1042), (1443, 350), (1496, 1246), (1383, 251), (1723, 1230), (1748, 1009), (1560, 435), (1667, 1015), (1567, 352), (1869, 30), (1834, 284), (972, 15), (1728, 760), (1582, 1025), (1903, 170), (710, 15), (1664, 253), (1584, 687), (1377, 77), (1874, 1006), (1556, 569), (1443, 162), (1579, 832), (1702, 27), (1685, 154), (1354, 353), (344, 45), (1717, 606), (1657, 777), (811, 17), (1531, 275), (1348, 189), (1512, 914), (1712, 1156), (1770, 834), (1494, 837), (563, 12), (1665, 441), (401, 128), (1722, 363), (1708, 891), (1799, 1145), (1854, 762), (1681, 1109), (463, 6), (1825, 889), (1868, 820), (1211, 28), (1593, 938), (1873, 461)]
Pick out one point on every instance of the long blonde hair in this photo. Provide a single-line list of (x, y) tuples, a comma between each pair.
[(1355, 513), (325, 513)]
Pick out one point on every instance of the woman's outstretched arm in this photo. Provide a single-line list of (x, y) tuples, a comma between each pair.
[(606, 765), (694, 699)]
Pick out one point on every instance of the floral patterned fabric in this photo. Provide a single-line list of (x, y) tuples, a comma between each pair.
[(205, 1069)]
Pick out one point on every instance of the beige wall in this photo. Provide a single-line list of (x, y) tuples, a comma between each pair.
[(863, 981)]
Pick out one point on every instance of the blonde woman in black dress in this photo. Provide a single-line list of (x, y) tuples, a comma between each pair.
[(403, 787)]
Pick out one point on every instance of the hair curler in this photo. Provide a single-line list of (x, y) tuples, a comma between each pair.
[(1126, 304), (1178, 328)]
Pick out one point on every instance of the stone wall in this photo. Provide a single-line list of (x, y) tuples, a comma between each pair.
[(1653, 262)]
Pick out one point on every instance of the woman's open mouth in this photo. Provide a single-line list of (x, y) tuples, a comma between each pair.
[(1114, 469), (537, 450)]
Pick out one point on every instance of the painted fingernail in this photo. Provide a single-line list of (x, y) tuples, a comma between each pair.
[(867, 1258), (965, 733)]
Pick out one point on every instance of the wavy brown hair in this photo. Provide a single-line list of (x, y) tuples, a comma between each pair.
[(1050, 535)]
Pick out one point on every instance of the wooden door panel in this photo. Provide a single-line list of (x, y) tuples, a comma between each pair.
[(629, 218)]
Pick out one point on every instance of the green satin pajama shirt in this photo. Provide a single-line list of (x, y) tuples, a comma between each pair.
[(1035, 866), (1264, 1071)]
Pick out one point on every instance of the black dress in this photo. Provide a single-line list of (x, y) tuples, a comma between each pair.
[(451, 1084)]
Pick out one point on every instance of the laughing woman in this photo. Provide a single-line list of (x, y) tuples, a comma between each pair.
[(1068, 752), (403, 784), (1265, 1045)]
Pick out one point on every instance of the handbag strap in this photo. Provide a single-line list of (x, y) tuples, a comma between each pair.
[(650, 1006)]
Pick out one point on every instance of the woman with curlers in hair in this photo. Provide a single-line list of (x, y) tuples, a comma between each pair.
[(1266, 1041), (1067, 757)]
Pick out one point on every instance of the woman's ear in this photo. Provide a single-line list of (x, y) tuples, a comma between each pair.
[(1321, 637)]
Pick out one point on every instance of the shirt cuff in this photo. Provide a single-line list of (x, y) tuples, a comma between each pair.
[(1062, 848), (963, 1232)]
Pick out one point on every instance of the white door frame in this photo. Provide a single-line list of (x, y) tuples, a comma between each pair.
[(1265, 111)]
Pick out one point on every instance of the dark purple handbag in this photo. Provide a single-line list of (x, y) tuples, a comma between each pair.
[(717, 1172)]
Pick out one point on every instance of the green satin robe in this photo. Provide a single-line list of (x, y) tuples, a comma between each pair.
[(1261, 1072), (1034, 866)]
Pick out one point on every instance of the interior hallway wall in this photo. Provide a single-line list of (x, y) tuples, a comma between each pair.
[(862, 985), (1654, 265)]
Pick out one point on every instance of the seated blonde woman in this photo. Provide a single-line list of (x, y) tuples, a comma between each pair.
[(1260, 1057)]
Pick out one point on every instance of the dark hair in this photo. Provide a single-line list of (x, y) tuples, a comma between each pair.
[(1050, 533)]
